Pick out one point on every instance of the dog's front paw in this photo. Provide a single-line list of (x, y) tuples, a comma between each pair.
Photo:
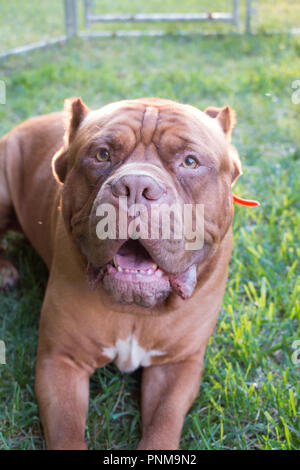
[(155, 443), (9, 276)]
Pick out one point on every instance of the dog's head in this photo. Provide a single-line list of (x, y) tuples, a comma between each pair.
[(147, 193)]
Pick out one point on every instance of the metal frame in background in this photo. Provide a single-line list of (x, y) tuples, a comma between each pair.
[(72, 28), (71, 17), (91, 18)]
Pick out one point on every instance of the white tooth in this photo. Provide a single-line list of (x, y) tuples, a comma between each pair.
[(154, 266), (127, 270), (134, 271), (115, 263), (119, 268), (142, 271), (149, 271)]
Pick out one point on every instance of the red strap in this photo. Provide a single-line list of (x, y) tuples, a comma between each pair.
[(245, 202)]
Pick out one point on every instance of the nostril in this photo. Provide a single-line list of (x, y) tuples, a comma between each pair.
[(153, 192), (119, 188), (146, 193), (137, 187), (126, 190)]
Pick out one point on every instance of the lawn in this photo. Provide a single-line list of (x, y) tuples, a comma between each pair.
[(250, 389), (19, 26)]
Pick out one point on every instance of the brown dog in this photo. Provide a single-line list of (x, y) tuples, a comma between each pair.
[(147, 302)]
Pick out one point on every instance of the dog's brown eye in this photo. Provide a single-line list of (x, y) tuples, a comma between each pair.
[(103, 155), (189, 162)]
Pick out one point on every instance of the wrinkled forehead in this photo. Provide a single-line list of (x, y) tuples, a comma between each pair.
[(169, 126)]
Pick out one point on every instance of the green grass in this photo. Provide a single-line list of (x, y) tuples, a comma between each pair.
[(24, 22), (250, 388)]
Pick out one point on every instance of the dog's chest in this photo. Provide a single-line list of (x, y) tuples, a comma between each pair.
[(128, 355)]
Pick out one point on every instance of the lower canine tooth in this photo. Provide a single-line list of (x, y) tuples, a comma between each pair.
[(119, 268), (149, 271)]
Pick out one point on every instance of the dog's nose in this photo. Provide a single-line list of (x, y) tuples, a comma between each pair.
[(137, 188)]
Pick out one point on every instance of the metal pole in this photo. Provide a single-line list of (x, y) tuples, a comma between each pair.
[(70, 7), (236, 12), (144, 17), (248, 16), (87, 6)]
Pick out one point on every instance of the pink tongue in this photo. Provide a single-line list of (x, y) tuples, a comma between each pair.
[(133, 256)]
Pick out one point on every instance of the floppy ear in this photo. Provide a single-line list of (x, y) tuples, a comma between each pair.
[(226, 118), (75, 112)]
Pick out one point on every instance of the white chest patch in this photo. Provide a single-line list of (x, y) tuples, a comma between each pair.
[(128, 355)]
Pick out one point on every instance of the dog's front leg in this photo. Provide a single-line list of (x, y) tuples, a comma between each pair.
[(62, 390), (167, 393)]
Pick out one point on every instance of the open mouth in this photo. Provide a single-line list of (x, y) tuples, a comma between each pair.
[(133, 260), (132, 276)]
